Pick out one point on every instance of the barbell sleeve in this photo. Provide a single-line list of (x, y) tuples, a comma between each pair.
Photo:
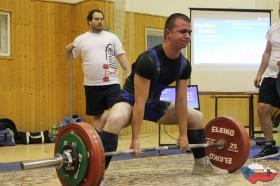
[(56, 161)]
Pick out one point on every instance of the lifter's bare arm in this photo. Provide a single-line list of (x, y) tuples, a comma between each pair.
[(181, 111), (141, 94)]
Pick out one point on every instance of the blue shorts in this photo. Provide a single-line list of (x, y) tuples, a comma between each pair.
[(154, 110)]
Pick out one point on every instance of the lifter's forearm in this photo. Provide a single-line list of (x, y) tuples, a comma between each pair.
[(137, 118), (181, 114)]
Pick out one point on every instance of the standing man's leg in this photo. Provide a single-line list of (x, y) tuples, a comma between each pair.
[(268, 97), (264, 113)]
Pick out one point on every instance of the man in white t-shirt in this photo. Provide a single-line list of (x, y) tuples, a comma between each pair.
[(268, 96), (98, 49)]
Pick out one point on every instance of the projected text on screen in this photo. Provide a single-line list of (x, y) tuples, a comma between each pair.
[(229, 40)]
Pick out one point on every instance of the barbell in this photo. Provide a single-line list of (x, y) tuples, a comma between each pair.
[(80, 158)]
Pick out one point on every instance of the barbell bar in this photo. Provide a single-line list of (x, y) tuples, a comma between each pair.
[(60, 160), (79, 157)]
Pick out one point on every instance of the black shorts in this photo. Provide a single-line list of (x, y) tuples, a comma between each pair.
[(268, 93), (100, 98)]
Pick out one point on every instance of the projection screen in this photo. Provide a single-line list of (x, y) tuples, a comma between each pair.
[(227, 47)]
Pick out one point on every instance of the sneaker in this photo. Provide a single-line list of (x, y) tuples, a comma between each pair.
[(204, 166), (269, 151)]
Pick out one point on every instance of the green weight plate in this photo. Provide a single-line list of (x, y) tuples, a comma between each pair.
[(81, 171), (93, 144)]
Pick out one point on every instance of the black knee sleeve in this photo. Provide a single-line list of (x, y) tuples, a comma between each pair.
[(110, 143), (197, 137)]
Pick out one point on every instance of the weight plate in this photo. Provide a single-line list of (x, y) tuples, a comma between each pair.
[(94, 147), (236, 143)]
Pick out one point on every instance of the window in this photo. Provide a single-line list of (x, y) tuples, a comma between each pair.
[(5, 40), (153, 37)]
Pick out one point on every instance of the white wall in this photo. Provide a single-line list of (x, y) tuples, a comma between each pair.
[(167, 7)]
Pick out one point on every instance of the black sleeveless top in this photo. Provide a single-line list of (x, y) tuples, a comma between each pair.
[(154, 65)]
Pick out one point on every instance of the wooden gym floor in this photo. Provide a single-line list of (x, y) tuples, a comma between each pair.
[(160, 170)]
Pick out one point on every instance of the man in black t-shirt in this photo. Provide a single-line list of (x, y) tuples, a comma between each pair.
[(152, 72)]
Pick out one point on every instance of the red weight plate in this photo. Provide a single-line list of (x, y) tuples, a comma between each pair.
[(95, 150), (237, 145)]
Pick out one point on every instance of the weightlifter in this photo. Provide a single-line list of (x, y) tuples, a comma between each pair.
[(152, 72)]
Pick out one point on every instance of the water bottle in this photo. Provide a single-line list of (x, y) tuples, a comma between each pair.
[(53, 132), (278, 135)]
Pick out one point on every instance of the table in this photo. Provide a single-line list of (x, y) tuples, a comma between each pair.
[(242, 95)]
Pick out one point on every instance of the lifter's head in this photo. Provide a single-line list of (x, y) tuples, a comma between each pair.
[(177, 30)]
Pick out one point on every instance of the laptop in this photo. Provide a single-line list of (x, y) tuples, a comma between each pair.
[(168, 94)]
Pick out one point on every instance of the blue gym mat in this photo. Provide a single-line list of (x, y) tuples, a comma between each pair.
[(9, 167)]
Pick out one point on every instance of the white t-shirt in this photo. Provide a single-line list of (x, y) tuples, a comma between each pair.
[(98, 51), (273, 36)]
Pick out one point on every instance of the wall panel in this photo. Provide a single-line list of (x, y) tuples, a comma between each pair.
[(34, 81)]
